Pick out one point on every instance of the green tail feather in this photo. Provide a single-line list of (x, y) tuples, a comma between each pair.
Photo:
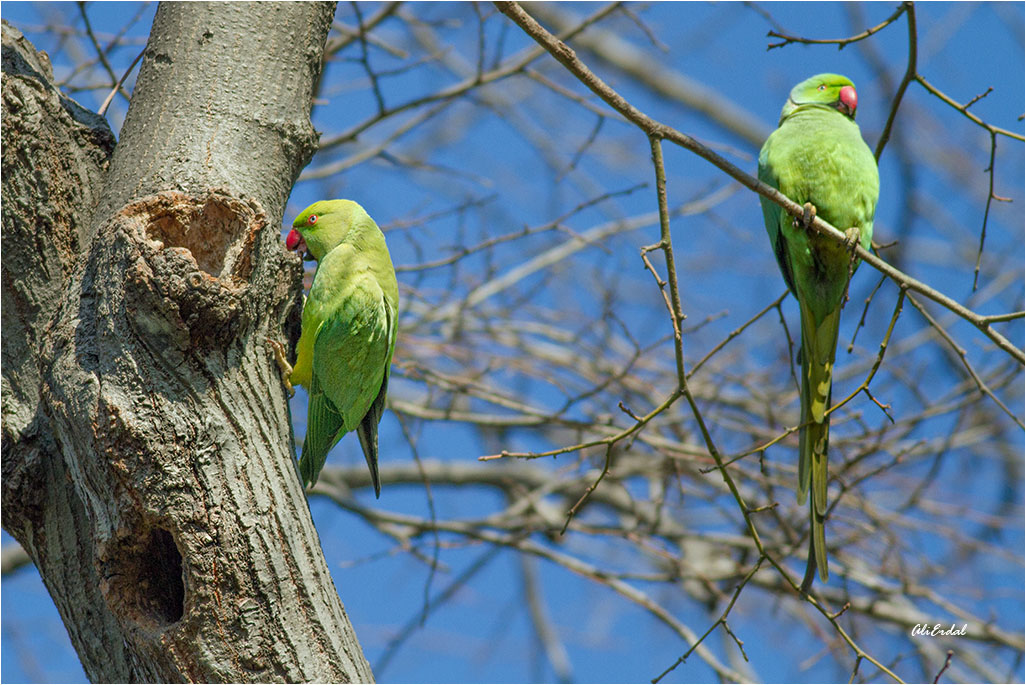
[(324, 428), (368, 432), (818, 346)]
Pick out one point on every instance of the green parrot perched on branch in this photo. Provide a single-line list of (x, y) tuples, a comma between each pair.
[(817, 157), (348, 331)]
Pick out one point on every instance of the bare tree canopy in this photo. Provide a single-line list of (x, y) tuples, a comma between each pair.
[(589, 456)]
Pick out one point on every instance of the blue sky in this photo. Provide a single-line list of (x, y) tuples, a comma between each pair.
[(482, 634)]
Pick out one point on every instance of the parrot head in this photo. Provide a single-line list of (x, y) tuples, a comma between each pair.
[(323, 225), (823, 90)]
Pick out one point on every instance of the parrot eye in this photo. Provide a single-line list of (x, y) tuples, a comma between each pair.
[(312, 219), (821, 87)]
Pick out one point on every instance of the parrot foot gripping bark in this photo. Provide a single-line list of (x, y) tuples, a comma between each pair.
[(283, 365)]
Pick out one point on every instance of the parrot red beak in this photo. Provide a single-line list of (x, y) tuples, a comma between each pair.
[(847, 101), (294, 241)]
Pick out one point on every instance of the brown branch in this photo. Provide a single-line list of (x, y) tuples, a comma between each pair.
[(775, 304), (963, 356), (515, 235), (100, 53), (590, 489), (865, 311), (947, 662), (349, 35), (864, 386), (910, 73), (722, 620), (840, 42), (517, 540), (117, 87), (964, 109), (514, 66), (991, 196)]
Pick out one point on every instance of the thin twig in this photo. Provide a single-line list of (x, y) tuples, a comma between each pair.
[(960, 351), (947, 662), (910, 74), (121, 81), (590, 489), (964, 109), (840, 42), (100, 54), (722, 620), (990, 198), (515, 65), (864, 386)]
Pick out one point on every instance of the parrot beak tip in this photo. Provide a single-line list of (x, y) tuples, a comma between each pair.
[(294, 242)]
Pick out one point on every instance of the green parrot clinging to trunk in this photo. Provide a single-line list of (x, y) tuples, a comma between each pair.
[(817, 158), (348, 331)]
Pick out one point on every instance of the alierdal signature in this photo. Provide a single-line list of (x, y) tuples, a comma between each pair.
[(924, 630)]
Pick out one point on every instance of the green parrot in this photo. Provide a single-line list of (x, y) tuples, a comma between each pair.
[(348, 331), (817, 157)]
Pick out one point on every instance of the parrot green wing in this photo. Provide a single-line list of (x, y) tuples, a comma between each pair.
[(368, 428), (817, 155), (773, 214)]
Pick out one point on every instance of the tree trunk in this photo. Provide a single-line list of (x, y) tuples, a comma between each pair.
[(147, 459)]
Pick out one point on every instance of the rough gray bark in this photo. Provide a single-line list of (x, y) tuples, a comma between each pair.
[(147, 462)]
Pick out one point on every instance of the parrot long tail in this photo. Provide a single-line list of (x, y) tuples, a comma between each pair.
[(368, 432), (819, 343), (324, 428)]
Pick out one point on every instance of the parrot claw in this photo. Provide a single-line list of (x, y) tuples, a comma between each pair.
[(808, 214), (852, 238), (283, 365)]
